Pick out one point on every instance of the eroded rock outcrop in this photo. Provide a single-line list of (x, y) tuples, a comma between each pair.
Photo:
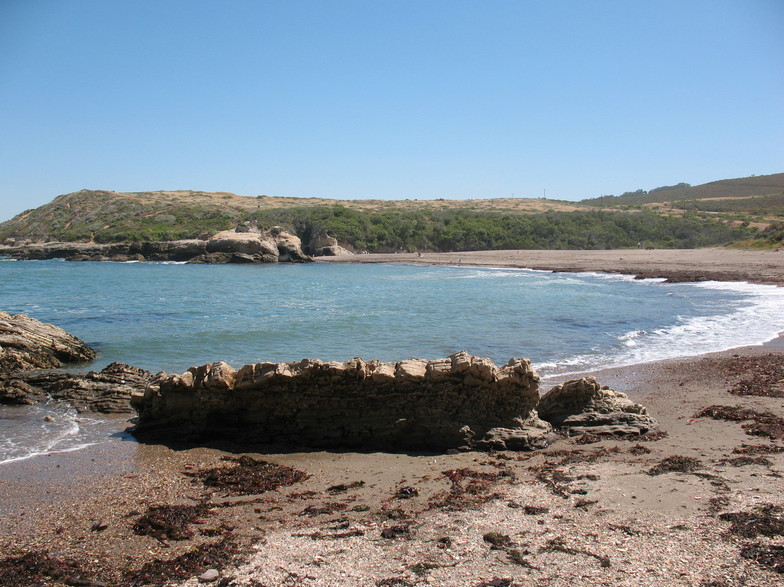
[(107, 391), (323, 245), (459, 401), (245, 244), (584, 406), (26, 343)]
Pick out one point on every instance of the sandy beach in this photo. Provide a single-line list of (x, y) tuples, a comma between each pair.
[(719, 264), (699, 505)]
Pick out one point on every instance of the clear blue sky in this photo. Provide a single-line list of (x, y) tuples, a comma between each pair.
[(386, 98)]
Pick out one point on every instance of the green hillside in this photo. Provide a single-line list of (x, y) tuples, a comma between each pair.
[(682, 217), (744, 187)]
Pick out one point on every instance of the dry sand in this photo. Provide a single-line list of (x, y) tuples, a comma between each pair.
[(679, 264), (573, 514)]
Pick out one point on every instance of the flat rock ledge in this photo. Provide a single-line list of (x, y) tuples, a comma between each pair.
[(26, 343), (461, 401), (583, 406)]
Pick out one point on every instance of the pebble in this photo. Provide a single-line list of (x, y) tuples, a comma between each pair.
[(209, 576)]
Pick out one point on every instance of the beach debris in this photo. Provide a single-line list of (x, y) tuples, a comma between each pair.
[(397, 531), (496, 582), (584, 407), (342, 487), (558, 544), (248, 476), (763, 375), (406, 492), (209, 576), (765, 520), (497, 540), (675, 464), (768, 555), (757, 449), (170, 522), (38, 568), (757, 423), (744, 460), (216, 555)]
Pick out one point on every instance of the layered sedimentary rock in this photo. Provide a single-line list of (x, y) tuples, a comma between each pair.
[(241, 245), (584, 406), (460, 401), (323, 245), (107, 391), (26, 343)]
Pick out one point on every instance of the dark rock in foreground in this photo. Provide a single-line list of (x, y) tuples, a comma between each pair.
[(458, 402), (26, 343), (107, 391), (583, 406)]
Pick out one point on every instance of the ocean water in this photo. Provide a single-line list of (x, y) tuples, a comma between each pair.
[(168, 317)]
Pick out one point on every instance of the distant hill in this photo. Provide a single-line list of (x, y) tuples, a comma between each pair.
[(108, 216), (672, 216), (744, 187)]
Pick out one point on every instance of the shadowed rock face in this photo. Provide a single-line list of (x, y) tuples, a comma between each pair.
[(26, 343), (459, 401)]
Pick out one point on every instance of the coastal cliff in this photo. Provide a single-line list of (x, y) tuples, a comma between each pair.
[(244, 244)]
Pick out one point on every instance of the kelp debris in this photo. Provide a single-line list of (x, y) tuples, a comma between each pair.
[(675, 464), (768, 555), (763, 520), (744, 460), (764, 376), (758, 449), (497, 540), (38, 568), (170, 522), (342, 487), (759, 423), (163, 572), (558, 544), (249, 476)]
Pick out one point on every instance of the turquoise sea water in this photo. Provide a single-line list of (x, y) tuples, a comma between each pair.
[(171, 316)]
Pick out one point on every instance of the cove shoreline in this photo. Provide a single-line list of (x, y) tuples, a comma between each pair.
[(708, 264), (650, 530)]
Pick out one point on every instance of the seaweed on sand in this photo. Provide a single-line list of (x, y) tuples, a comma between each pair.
[(758, 423), (764, 520), (206, 556), (765, 376), (558, 544), (249, 476), (170, 522), (469, 489), (39, 568), (768, 555), (675, 464)]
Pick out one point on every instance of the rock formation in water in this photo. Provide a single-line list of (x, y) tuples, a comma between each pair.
[(583, 406), (460, 401), (26, 343), (242, 245), (107, 391)]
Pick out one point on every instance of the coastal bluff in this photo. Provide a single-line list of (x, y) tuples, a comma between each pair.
[(461, 401), (244, 244)]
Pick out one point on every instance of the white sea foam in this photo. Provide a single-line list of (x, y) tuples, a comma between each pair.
[(758, 317)]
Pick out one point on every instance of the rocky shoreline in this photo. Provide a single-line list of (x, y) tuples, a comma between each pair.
[(245, 244)]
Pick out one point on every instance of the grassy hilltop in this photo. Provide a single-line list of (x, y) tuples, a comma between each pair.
[(717, 213)]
